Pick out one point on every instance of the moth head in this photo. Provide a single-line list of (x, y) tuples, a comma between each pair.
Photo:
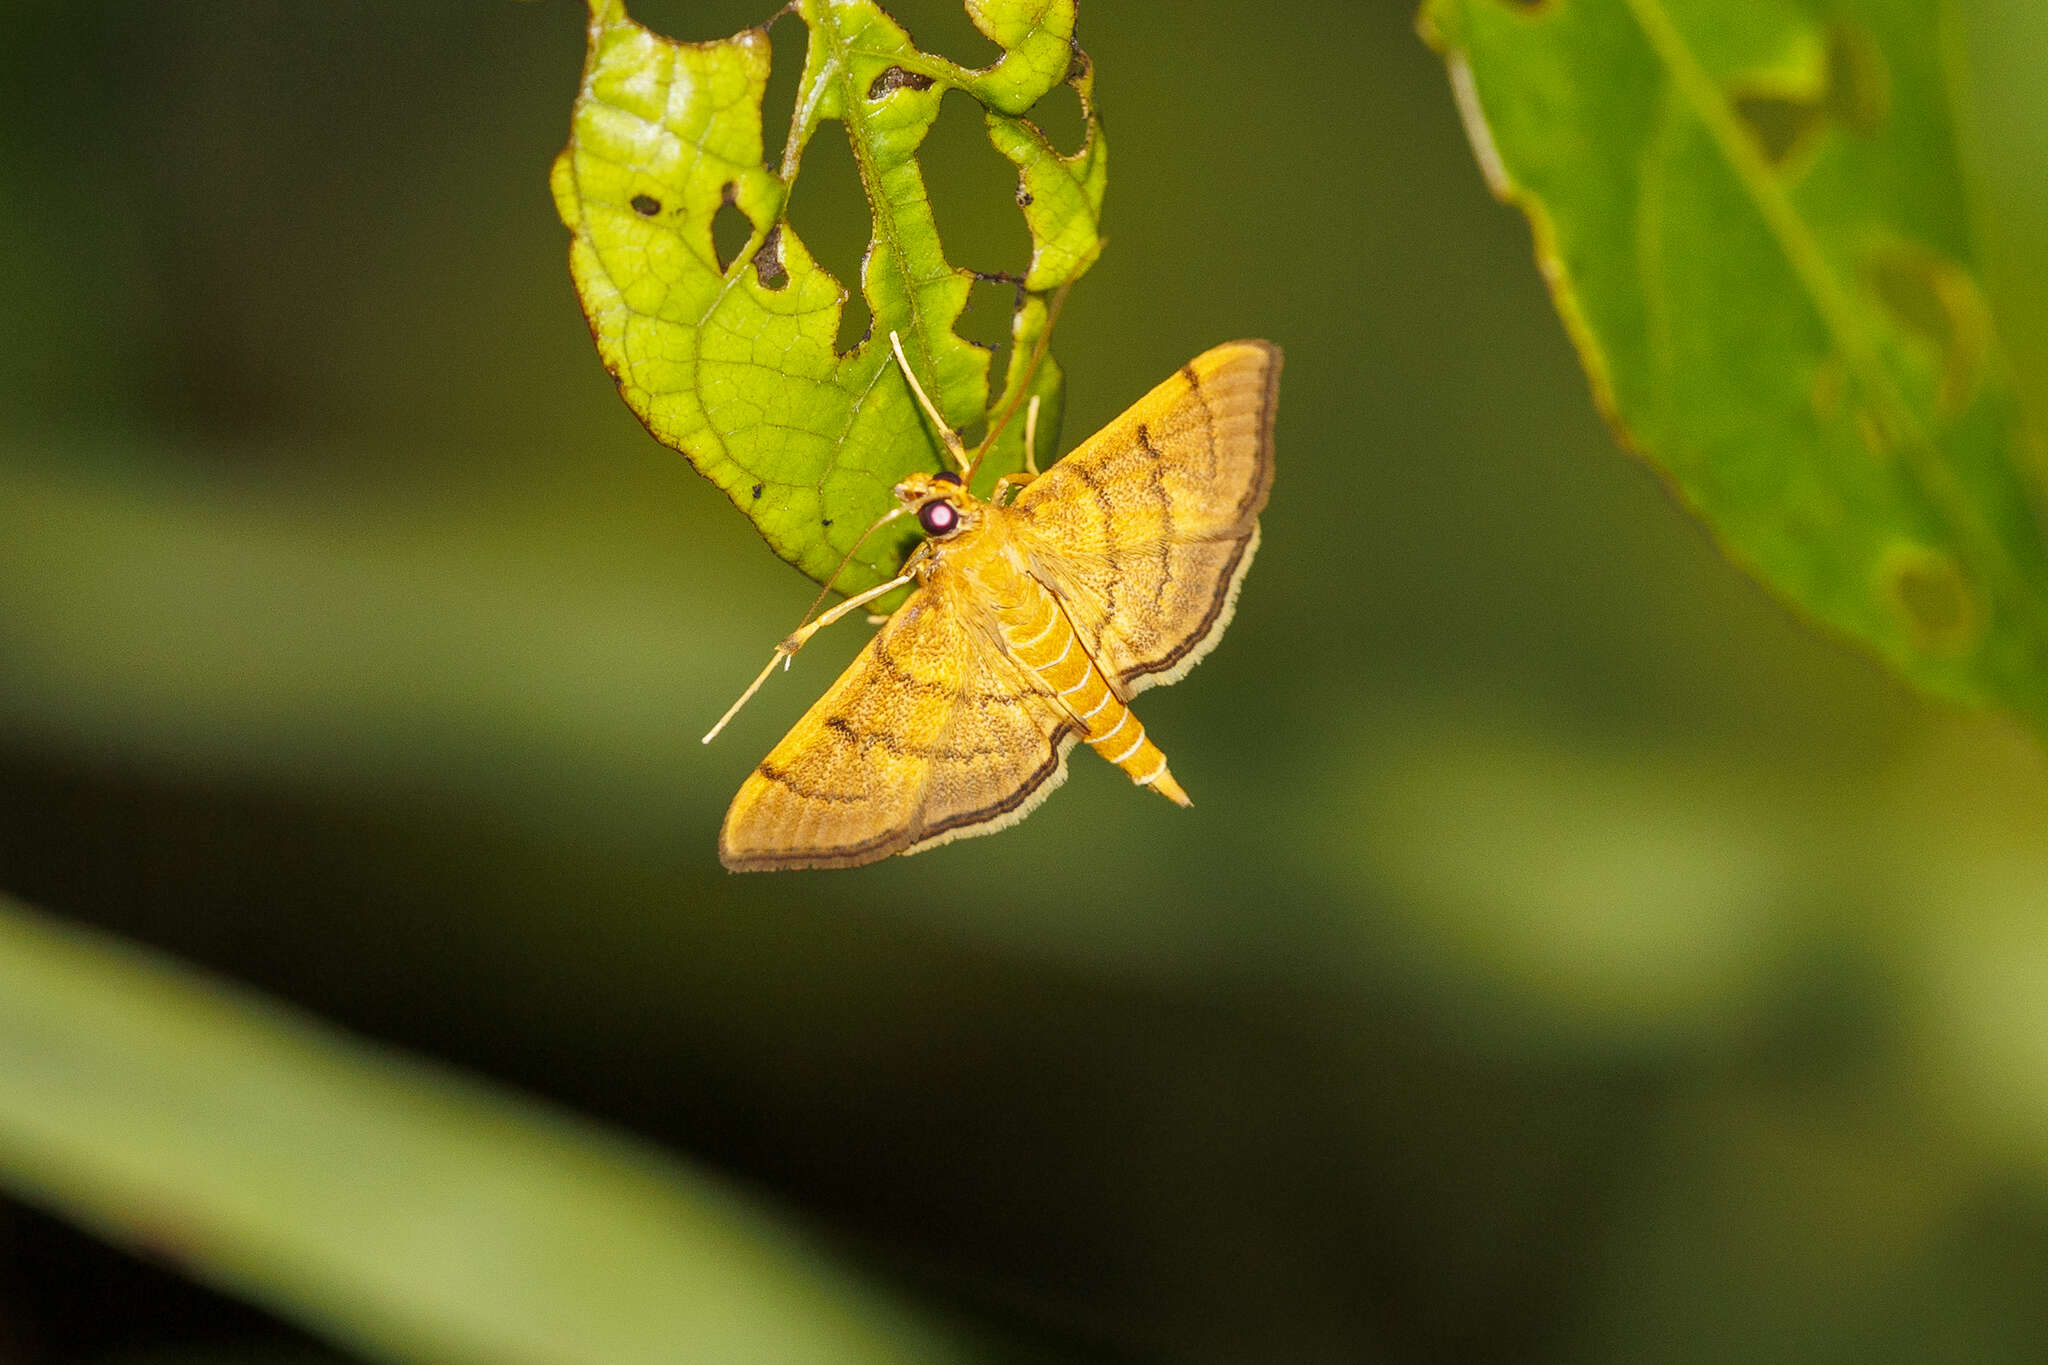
[(939, 502)]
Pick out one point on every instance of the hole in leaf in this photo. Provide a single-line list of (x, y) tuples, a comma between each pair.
[(1939, 301), (973, 188), (1925, 589), (1855, 91), (698, 20), (855, 319), (1059, 116), (730, 231), (1780, 124), (1859, 84), (829, 207), (830, 212), (942, 28), (991, 304), (787, 38), (986, 321)]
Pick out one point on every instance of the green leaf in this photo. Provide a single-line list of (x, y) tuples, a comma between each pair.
[(1754, 218), (392, 1206), (734, 361)]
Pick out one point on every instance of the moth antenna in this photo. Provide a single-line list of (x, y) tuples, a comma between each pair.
[(1031, 437), (745, 697), (952, 437), (877, 524), (796, 639), (1052, 317), (786, 651)]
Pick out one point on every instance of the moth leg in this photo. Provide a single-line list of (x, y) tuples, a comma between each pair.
[(877, 524), (796, 640), (1010, 483), (1007, 483), (799, 637)]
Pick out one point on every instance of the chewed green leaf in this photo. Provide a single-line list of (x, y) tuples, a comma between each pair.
[(733, 360), (1754, 220)]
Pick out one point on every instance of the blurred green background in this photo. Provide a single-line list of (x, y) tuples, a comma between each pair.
[(1569, 956)]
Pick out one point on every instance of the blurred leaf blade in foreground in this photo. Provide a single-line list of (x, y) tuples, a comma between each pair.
[(390, 1206), (1756, 226), (735, 360)]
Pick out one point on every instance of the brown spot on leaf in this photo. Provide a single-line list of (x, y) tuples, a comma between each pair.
[(646, 205), (758, 488), (896, 78), (768, 267), (1925, 589), (1024, 198)]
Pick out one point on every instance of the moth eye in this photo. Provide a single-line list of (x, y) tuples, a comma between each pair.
[(938, 517)]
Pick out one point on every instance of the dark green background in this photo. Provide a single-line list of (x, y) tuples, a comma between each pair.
[(1569, 955)]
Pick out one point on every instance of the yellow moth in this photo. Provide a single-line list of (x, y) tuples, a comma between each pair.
[(1038, 614)]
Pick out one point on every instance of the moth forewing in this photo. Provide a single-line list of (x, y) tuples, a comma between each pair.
[(929, 734), (1146, 530)]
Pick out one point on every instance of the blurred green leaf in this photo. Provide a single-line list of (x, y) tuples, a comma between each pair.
[(1631, 904), (261, 1353), (396, 1208), (733, 358), (1756, 227)]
